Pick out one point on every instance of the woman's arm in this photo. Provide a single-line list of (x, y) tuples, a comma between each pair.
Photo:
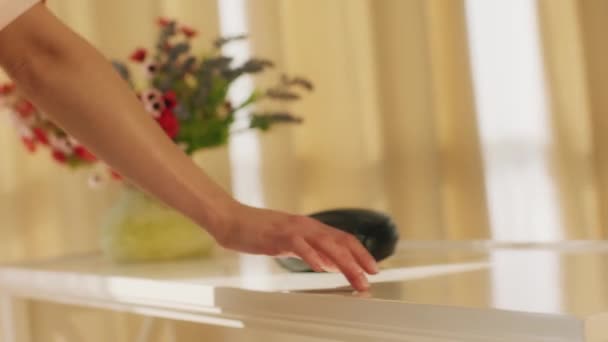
[(77, 88)]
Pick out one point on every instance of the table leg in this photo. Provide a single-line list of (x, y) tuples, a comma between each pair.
[(14, 323)]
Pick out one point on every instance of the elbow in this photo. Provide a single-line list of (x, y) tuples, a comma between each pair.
[(35, 43), (32, 61), (19, 68), (30, 71)]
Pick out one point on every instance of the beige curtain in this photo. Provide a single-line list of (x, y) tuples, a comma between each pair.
[(575, 56), (593, 15), (391, 125)]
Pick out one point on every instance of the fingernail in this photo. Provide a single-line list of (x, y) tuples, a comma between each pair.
[(364, 283), (375, 269), (331, 269)]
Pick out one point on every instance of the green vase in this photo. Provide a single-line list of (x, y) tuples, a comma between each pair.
[(139, 228)]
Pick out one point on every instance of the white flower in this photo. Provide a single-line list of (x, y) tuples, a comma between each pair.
[(7, 101), (20, 124), (153, 102), (61, 144), (97, 180), (73, 141), (151, 69), (25, 132), (18, 119)]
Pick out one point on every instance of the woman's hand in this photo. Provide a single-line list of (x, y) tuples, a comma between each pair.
[(260, 231)]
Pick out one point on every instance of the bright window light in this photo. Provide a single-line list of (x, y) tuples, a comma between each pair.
[(515, 136), (513, 119), (244, 147)]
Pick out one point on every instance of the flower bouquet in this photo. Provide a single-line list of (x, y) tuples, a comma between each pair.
[(187, 95)]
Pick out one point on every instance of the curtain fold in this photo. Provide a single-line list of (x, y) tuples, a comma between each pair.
[(462, 190), (391, 125), (593, 21), (575, 55), (337, 159)]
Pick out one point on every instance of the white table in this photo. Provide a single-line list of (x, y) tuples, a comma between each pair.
[(474, 291)]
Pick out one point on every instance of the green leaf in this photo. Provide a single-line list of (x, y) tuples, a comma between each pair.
[(264, 121), (216, 96), (253, 97), (259, 122), (282, 95), (122, 70), (220, 42), (197, 134)]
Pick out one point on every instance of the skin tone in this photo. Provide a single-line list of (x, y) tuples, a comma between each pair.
[(78, 89)]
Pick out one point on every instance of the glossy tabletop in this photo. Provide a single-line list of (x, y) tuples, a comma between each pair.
[(459, 291)]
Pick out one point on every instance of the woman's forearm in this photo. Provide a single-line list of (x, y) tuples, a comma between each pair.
[(80, 91)]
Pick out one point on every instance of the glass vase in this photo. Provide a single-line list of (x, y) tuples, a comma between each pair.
[(139, 228)]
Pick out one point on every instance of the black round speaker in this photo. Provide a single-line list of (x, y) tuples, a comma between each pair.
[(375, 230)]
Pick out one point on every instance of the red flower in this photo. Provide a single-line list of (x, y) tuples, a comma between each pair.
[(25, 108), (162, 21), (59, 156), (41, 135), (84, 154), (188, 31), (139, 55), (7, 88), (170, 99), (169, 123), (115, 175), (29, 143)]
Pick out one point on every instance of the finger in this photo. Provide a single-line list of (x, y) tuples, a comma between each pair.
[(328, 265), (361, 254), (345, 261), (303, 250), (363, 294)]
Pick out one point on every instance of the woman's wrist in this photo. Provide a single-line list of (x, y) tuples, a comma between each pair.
[(218, 215)]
